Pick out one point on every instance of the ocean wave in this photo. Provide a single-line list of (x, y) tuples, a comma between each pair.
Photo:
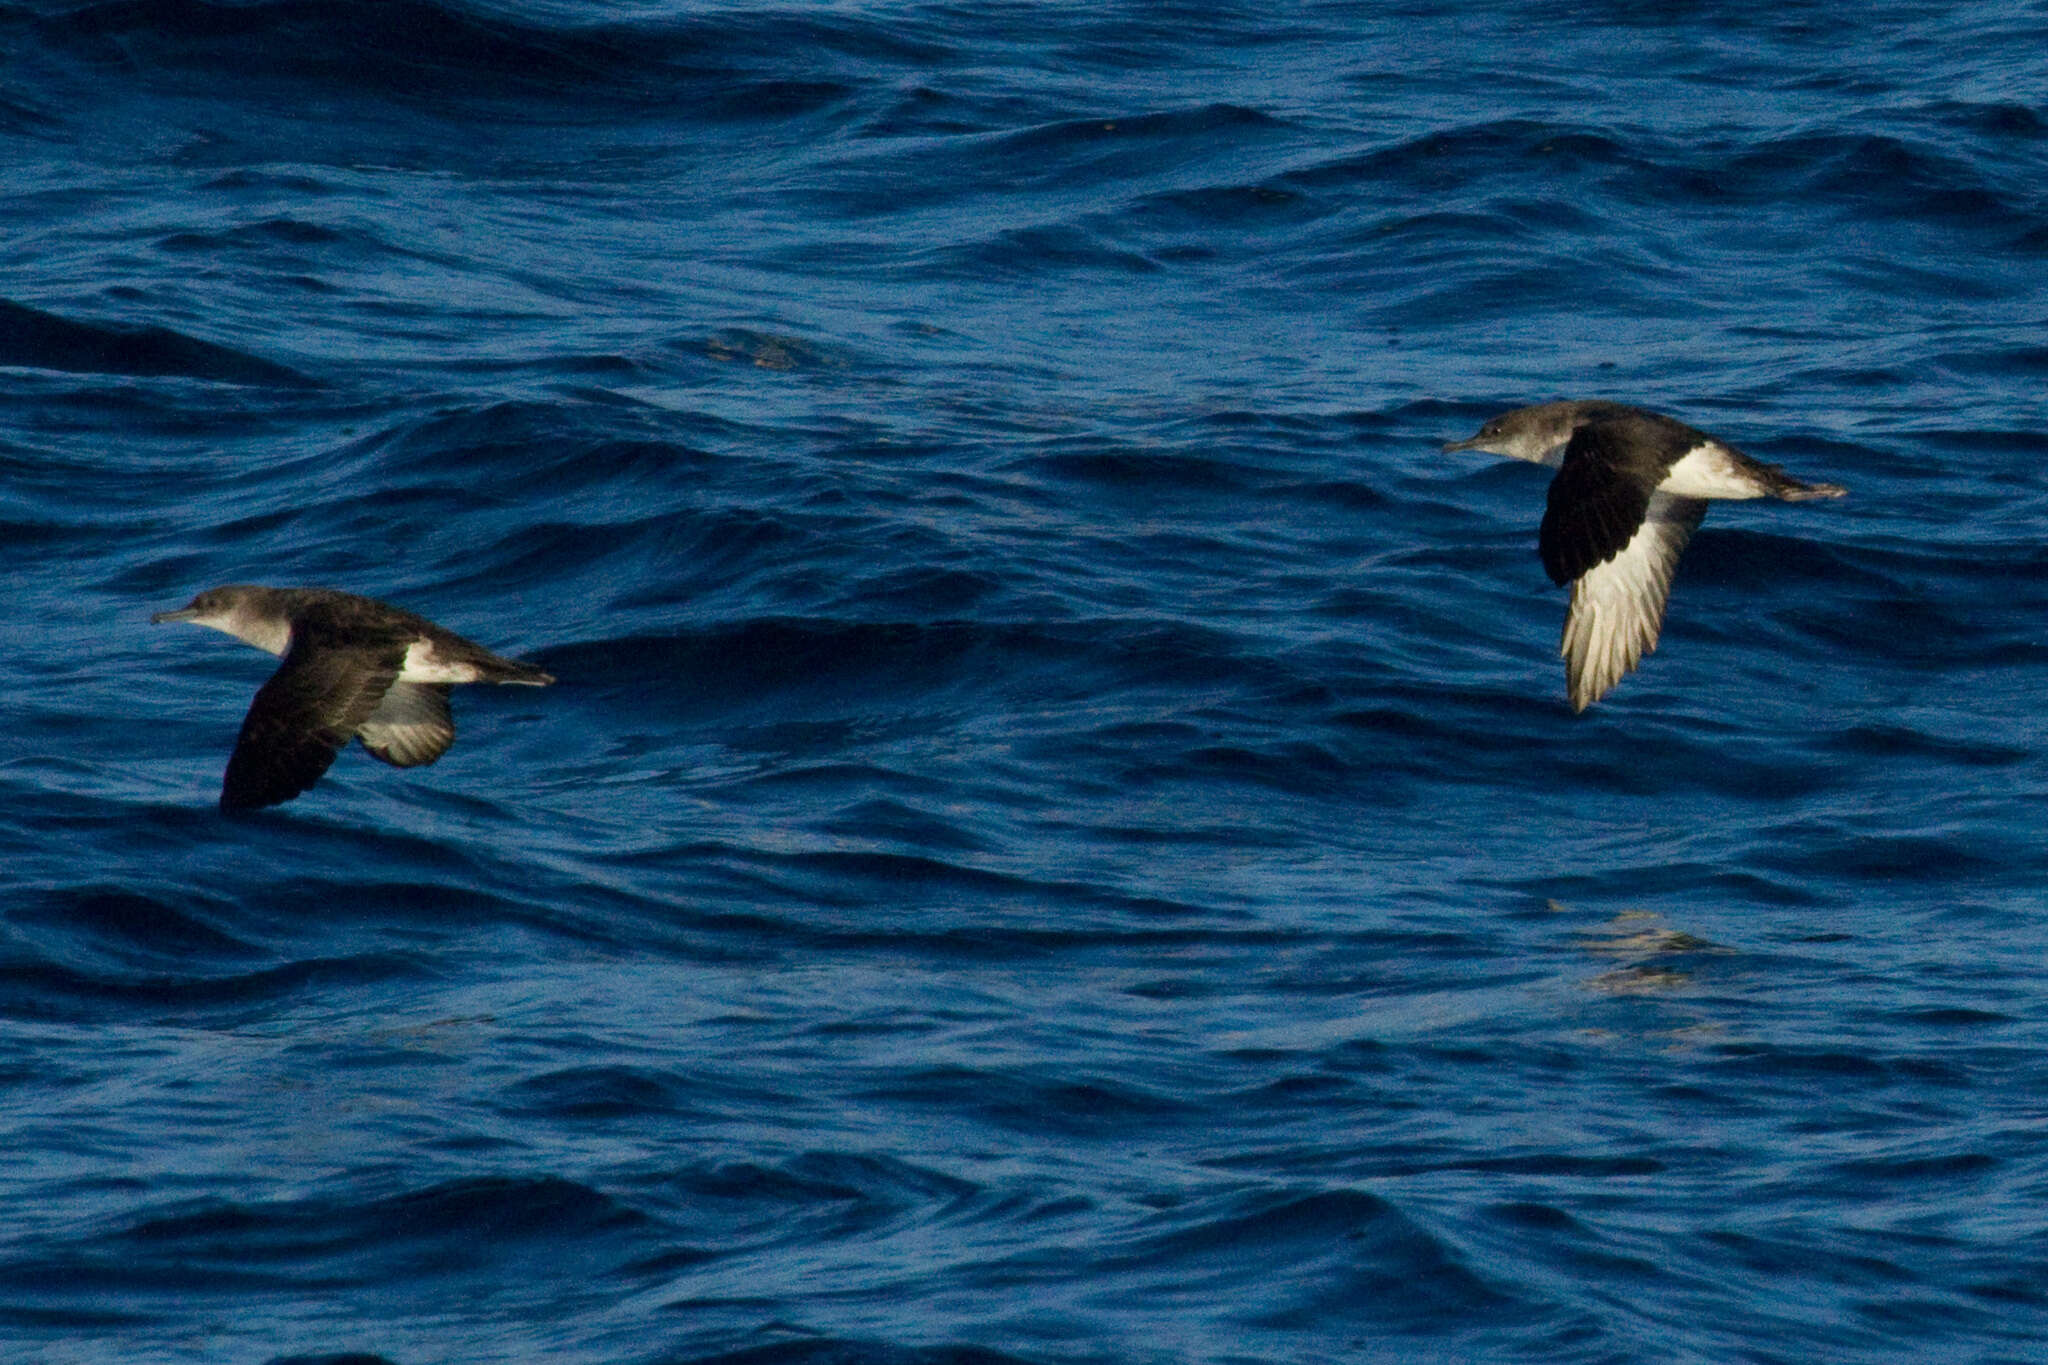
[(35, 339), (1058, 832), (431, 50)]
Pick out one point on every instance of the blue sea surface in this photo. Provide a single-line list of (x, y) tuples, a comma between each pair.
[(1059, 836)]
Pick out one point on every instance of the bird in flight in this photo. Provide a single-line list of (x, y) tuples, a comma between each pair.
[(1630, 489), (353, 668)]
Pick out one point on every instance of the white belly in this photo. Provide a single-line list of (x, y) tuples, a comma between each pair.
[(423, 665), (1710, 470)]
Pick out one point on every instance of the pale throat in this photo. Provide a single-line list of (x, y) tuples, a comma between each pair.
[(272, 634)]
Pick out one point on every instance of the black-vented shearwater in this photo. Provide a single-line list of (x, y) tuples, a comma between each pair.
[(1630, 489), (353, 667)]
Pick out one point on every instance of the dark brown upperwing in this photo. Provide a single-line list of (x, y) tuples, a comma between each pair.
[(1597, 500), (312, 706)]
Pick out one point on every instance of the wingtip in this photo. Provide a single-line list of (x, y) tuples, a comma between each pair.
[(1585, 693)]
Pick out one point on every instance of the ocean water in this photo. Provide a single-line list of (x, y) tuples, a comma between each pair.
[(1059, 837)]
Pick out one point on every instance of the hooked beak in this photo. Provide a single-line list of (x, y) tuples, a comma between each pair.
[(181, 614), (1453, 447)]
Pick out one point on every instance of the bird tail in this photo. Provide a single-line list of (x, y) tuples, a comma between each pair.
[(1784, 486), (512, 671)]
